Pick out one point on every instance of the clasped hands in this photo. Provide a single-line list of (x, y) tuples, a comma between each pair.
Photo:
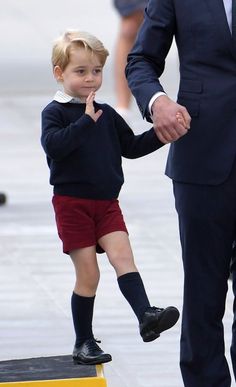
[(170, 120)]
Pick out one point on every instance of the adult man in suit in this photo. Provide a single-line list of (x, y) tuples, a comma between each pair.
[(202, 163)]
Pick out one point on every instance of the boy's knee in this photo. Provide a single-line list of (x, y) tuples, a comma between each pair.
[(122, 262)]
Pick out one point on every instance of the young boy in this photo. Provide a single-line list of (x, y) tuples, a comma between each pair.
[(84, 142)]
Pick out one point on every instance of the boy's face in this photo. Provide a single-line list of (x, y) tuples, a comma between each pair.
[(82, 75)]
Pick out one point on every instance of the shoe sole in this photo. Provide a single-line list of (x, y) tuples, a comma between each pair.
[(150, 336), (167, 320), (93, 361)]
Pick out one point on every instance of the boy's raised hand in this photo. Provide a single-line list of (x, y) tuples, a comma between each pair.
[(90, 107)]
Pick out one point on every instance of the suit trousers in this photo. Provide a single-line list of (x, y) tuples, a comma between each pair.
[(207, 226)]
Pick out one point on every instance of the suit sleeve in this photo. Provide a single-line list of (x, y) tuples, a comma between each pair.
[(146, 61)]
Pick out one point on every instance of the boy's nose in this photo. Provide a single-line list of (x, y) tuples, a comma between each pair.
[(89, 77)]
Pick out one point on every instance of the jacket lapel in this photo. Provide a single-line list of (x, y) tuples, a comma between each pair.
[(217, 10)]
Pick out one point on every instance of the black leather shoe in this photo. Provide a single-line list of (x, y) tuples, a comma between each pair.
[(90, 353), (156, 320)]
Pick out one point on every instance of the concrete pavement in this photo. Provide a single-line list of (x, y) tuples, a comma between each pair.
[(36, 279)]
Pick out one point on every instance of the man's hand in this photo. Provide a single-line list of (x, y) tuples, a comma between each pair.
[(165, 113), (90, 107)]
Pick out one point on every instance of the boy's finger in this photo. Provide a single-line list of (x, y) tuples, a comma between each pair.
[(187, 118), (90, 97), (181, 119)]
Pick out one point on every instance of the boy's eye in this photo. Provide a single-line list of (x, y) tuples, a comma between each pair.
[(83, 71), (97, 71)]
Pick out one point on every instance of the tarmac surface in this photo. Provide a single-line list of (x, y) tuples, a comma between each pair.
[(36, 278)]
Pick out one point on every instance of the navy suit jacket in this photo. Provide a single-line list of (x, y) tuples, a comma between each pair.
[(207, 57)]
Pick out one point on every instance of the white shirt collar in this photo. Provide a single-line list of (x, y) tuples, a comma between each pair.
[(228, 11), (62, 97)]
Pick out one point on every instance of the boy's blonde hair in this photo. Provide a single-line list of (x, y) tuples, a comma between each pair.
[(73, 38)]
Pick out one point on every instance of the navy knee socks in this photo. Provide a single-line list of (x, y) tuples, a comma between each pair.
[(82, 313), (132, 288)]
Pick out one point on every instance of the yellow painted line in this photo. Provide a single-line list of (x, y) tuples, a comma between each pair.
[(96, 381), (99, 370)]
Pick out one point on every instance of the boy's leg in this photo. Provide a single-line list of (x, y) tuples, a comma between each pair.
[(152, 320), (120, 255), (86, 271), (86, 350)]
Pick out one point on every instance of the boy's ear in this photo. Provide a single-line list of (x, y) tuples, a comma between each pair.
[(57, 71)]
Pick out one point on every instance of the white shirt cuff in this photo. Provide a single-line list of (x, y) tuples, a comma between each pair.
[(154, 97)]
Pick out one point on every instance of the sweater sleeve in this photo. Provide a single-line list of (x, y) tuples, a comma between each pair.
[(59, 141), (135, 146)]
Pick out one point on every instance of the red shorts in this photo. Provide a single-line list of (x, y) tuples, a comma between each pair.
[(81, 222)]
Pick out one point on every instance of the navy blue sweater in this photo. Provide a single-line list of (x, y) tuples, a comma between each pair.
[(84, 157)]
